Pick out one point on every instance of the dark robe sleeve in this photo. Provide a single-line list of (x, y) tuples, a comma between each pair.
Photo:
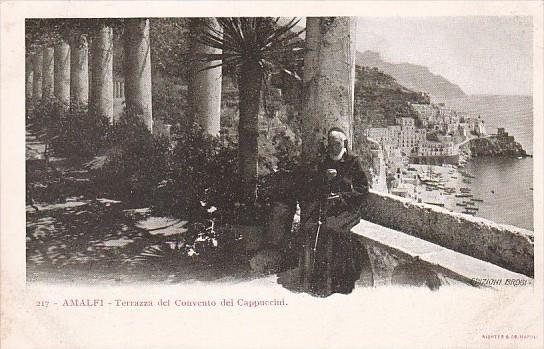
[(359, 185)]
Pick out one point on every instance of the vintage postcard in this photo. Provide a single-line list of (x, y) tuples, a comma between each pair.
[(272, 174)]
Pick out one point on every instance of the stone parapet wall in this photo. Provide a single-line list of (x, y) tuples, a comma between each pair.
[(506, 246)]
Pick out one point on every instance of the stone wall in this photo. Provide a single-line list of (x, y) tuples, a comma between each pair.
[(506, 246)]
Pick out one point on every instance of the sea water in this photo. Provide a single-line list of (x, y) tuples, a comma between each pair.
[(503, 183)]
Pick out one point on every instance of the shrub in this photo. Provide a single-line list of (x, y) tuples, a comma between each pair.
[(201, 177), (71, 132), (79, 133), (46, 113), (288, 151), (134, 164)]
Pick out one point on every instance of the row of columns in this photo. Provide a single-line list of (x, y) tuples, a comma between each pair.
[(329, 71), (62, 71)]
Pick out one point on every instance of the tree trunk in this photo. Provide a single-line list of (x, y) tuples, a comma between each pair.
[(37, 66), (138, 69), (79, 71), (47, 72), (29, 76), (102, 73), (205, 86), (249, 86), (62, 72), (329, 77)]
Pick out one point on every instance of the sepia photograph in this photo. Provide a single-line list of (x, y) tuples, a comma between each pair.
[(358, 160), (170, 149)]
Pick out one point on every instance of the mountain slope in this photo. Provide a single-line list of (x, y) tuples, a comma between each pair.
[(412, 76), (380, 99)]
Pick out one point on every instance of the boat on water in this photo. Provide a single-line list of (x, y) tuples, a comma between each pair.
[(435, 203), (465, 190), (461, 204), (463, 195), (477, 200), (428, 181), (465, 174), (472, 213)]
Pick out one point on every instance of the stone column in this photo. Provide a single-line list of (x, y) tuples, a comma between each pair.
[(37, 66), (62, 72), (29, 75), (102, 68), (205, 85), (79, 71), (138, 69), (329, 78), (47, 72)]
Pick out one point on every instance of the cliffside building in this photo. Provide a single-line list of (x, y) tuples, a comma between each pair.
[(436, 153)]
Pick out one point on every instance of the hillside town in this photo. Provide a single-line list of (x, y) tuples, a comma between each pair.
[(421, 158), (419, 155), (433, 138)]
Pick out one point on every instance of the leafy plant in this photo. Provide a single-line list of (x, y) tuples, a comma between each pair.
[(135, 162), (252, 48), (79, 133), (201, 177)]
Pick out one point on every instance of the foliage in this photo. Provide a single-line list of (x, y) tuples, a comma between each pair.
[(79, 133), (45, 112), (201, 178), (41, 32), (71, 132), (252, 49), (169, 101), (170, 46), (379, 99), (211, 243), (135, 162), (288, 151), (261, 40)]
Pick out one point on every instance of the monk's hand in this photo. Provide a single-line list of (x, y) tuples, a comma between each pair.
[(340, 222)]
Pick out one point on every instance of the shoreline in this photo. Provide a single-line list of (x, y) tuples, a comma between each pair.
[(452, 188)]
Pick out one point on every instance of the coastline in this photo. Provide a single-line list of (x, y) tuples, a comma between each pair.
[(465, 189)]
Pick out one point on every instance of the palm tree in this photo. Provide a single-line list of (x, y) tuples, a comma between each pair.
[(253, 48)]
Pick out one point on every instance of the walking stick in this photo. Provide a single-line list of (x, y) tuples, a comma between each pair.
[(317, 233), (308, 260)]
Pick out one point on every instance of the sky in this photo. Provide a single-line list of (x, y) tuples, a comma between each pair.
[(483, 55)]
